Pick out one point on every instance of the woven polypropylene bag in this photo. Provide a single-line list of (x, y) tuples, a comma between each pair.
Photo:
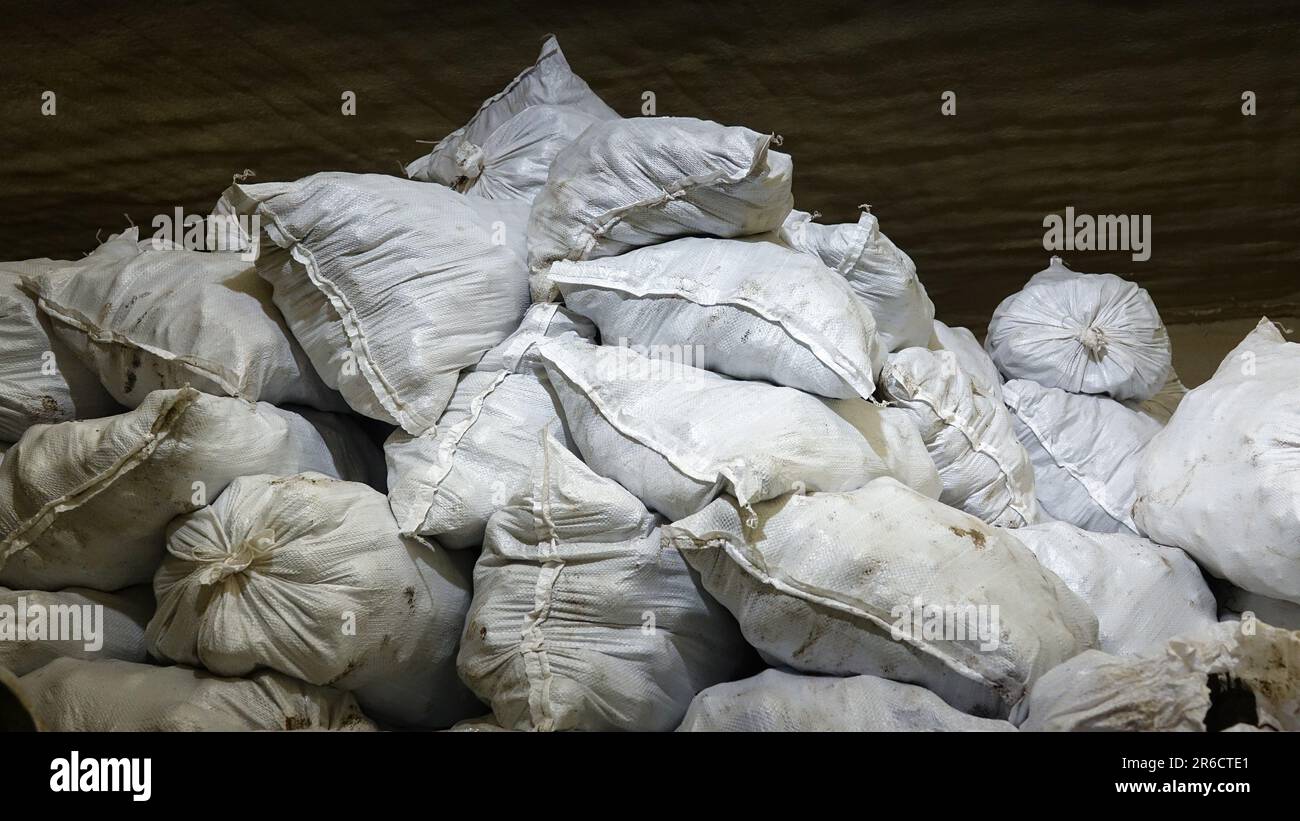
[(971, 356), (87, 503), (156, 319), (41, 380), (628, 183), (449, 482), (785, 702), (883, 277), (839, 583), (1085, 451), (271, 574), (1215, 679), (984, 468), (69, 695), (676, 436), (751, 309), (549, 82), (1222, 480), (38, 627), (1143, 593), (580, 621), (1085, 333), (392, 286)]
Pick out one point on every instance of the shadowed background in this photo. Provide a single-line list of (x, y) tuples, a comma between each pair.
[(1112, 110)]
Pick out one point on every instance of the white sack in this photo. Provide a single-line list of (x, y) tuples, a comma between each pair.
[(41, 380), (676, 436), (881, 275), (391, 286), (834, 583), (984, 468), (1161, 407), (72, 623), (267, 576), (1143, 593), (751, 309), (446, 483), (784, 702), (1085, 333), (462, 157), (146, 320), (69, 695), (87, 503), (628, 183), (1214, 679), (1085, 451), (1222, 480), (580, 621), (970, 355)]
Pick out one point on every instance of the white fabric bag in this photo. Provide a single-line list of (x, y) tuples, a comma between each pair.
[(1085, 333), (37, 627), (784, 702), (580, 620), (447, 483), (970, 355), (270, 575), (391, 286), (459, 159), (676, 436), (1215, 679), (1222, 480), (1161, 407), (839, 583), (1143, 593), (41, 380), (984, 468), (883, 277), (751, 309), (147, 320), (87, 503), (69, 695), (628, 183), (1085, 450)]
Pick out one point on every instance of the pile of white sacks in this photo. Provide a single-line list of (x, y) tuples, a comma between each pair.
[(661, 453)]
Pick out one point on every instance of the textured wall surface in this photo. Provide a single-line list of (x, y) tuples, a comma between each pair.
[(1108, 109)]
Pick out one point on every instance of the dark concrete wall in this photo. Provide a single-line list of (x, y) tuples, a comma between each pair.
[(1105, 107)]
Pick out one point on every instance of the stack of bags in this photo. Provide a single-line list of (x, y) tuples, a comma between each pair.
[(661, 451)]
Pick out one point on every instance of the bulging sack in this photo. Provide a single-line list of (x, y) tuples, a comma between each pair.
[(70, 695), (971, 356), (448, 482), (984, 468), (1143, 593), (1085, 451), (676, 436), (473, 155), (149, 319), (628, 183), (580, 621), (37, 627), (1084, 333), (392, 286), (87, 503), (1222, 480), (784, 702), (1216, 679), (883, 581), (881, 275), (41, 380), (309, 576), (751, 309)]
